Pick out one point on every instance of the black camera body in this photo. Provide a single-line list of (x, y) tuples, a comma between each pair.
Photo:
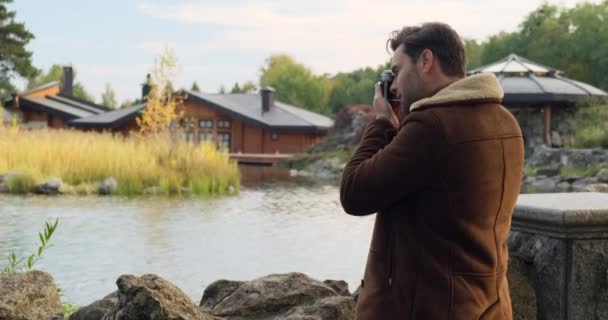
[(386, 80)]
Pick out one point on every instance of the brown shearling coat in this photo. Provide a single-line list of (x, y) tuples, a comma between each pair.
[(444, 186)]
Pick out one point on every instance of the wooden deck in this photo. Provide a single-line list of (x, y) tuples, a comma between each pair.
[(260, 159)]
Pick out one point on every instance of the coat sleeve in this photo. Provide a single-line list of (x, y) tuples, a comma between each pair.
[(382, 171)]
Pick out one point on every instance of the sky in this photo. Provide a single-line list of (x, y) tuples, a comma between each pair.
[(222, 42)]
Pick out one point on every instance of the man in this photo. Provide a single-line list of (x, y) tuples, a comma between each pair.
[(443, 173)]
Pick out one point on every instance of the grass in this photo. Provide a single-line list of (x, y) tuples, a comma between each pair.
[(532, 171), (579, 171), (84, 159), (592, 127)]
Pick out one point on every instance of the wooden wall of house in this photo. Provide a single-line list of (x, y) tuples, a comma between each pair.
[(52, 121), (244, 137), (51, 91), (30, 115)]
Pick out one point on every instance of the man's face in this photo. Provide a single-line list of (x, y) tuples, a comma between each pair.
[(408, 85)]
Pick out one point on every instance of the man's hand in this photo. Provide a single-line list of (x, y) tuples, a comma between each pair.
[(382, 109)]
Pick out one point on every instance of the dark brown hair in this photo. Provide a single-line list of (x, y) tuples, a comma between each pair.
[(440, 38)]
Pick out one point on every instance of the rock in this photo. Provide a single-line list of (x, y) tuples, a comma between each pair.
[(98, 309), (350, 122), (50, 187), (153, 191), (541, 185), (327, 169), (29, 295), (523, 296), (597, 187), (152, 298), (356, 294), (331, 308), (556, 157), (340, 286), (564, 186), (270, 297), (581, 184), (108, 186), (602, 175), (218, 291), (542, 260)]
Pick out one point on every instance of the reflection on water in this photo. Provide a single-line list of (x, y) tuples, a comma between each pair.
[(192, 242), (252, 175)]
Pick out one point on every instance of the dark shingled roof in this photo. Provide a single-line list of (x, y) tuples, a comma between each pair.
[(533, 89), (59, 108), (61, 105), (109, 119), (528, 82), (246, 107)]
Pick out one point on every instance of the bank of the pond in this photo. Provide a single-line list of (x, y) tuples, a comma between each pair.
[(73, 162)]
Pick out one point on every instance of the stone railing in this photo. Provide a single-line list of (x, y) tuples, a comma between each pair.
[(559, 257)]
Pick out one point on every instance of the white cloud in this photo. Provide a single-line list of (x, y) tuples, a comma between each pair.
[(327, 35), (350, 35)]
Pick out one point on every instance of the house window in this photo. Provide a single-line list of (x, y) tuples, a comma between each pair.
[(189, 136), (205, 124), (205, 136), (274, 136), (223, 124), (223, 141)]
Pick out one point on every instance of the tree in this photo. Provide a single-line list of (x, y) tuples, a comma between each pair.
[(235, 88), (127, 103), (295, 83), (195, 87), (163, 107), (15, 60), (222, 90), (473, 51), (356, 87), (574, 40), (247, 87), (55, 73), (108, 97)]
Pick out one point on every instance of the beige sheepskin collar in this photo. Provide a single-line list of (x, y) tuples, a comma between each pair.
[(479, 87)]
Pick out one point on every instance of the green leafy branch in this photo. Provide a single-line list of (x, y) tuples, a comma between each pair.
[(15, 264)]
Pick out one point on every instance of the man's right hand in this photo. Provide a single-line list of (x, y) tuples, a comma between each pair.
[(382, 109)]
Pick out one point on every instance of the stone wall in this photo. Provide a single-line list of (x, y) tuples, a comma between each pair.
[(559, 257), (530, 119)]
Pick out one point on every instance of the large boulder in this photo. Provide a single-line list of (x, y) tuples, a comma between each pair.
[(151, 297), (350, 122), (98, 309), (50, 187), (278, 296), (108, 186), (557, 157), (602, 175), (29, 296), (334, 308)]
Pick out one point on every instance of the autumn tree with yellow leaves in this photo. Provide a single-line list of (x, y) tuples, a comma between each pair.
[(164, 107)]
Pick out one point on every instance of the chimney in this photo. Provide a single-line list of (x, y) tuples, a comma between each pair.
[(68, 81), (267, 98), (146, 87)]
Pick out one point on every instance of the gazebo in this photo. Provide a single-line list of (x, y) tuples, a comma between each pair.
[(534, 89)]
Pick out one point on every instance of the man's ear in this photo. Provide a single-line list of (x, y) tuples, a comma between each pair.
[(426, 60)]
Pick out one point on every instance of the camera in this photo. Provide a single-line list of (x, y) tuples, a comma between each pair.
[(386, 80)]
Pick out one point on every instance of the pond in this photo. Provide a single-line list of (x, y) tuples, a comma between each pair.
[(274, 227)]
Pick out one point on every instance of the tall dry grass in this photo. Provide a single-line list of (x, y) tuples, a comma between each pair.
[(83, 159)]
